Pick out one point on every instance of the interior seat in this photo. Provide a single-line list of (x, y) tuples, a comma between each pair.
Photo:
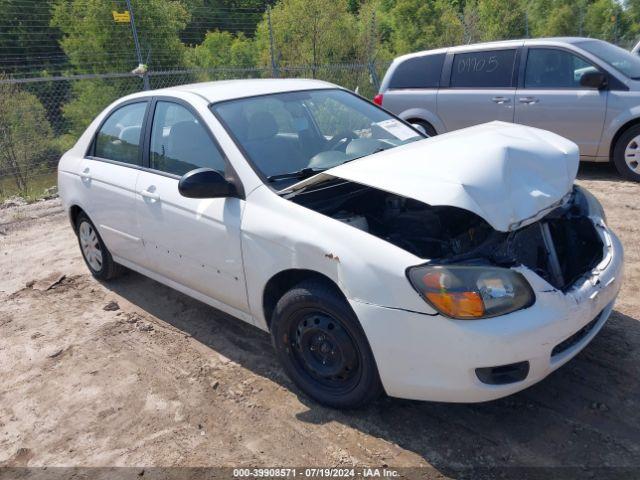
[(271, 153)]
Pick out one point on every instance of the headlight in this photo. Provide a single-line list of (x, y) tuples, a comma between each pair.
[(593, 205), (471, 292)]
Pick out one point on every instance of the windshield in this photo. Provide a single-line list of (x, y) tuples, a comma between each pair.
[(617, 57), (293, 135)]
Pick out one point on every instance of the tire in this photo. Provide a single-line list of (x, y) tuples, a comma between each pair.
[(312, 323), (94, 252), (427, 127), (626, 154)]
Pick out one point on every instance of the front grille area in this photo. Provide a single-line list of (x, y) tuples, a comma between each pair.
[(576, 337)]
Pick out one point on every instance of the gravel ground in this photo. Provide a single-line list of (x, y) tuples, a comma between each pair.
[(135, 374)]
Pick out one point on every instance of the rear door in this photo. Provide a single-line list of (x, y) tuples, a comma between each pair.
[(480, 88), (194, 242), (550, 96), (109, 173)]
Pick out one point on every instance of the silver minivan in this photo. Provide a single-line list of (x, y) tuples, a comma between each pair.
[(584, 89)]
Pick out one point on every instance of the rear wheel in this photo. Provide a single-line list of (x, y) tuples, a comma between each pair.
[(323, 348), (94, 252), (626, 154), (427, 127)]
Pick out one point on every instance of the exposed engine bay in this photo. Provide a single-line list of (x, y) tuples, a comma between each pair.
[(561, 247)]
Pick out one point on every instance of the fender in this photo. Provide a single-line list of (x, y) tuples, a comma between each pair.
[(614, 123), (309, 240)]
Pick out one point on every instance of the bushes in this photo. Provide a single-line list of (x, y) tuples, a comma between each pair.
[(27, 147)]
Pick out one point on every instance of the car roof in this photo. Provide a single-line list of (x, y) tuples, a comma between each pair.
[(499, 44), (231, 89)]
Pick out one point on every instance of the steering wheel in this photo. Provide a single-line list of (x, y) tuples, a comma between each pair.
[(339, 137)]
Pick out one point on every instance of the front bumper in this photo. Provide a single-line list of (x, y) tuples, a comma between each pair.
[(430, 357)]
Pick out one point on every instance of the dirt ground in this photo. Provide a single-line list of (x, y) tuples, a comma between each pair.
[(162, 380)]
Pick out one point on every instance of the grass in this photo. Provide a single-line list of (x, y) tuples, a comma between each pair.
[(37, 185)]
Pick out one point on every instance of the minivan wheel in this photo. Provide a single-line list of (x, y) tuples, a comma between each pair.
[(94, 252), (427, 127), (323, 348), (626, 154)]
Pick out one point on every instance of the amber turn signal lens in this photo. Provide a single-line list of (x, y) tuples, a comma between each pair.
[(451, 303), (458, 304)]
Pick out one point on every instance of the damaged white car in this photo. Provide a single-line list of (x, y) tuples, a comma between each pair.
[(461, 268)]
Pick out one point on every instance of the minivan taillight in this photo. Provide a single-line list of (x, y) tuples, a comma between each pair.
[(378, 99)]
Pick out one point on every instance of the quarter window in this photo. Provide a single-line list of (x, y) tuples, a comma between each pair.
[(180, 143), (552, 68), (486, 69), (119, 136), (418, 72)]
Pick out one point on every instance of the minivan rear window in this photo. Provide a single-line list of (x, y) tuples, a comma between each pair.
[(418, 72), (485, 69)]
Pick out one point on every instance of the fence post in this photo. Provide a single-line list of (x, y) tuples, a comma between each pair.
[(145, 77), (370, 53), (274, 65)]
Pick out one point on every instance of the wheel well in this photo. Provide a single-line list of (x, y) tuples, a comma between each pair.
[(421, 121), (284, 281), (74, 211), (621, 130)]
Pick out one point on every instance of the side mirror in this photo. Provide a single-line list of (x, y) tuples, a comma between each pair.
[(420, 128), (205, 183), (593, 80)]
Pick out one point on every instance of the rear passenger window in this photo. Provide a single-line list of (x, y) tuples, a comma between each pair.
[(487, 69), (418, 72), (119, 136), (180, 143)]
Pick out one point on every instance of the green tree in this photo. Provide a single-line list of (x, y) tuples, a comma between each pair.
[(26, 138), (90, 97), (235, 16), (94, 43), (605, 19), (27, 44), (421, 24), (501, 20), (222, 49), (308, 32)]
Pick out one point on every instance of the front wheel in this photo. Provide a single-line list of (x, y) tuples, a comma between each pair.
[(626, 154), (323, 348)]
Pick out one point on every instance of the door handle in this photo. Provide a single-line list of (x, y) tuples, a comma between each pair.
[(528, 100), (85, 175), (501, 100), (150, 195)]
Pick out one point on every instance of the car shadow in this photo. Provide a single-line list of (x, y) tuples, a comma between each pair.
[(583, 415), (599, 171)]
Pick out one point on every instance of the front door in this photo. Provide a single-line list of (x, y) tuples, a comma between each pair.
[(552, 98), (194, 242), (109, 175), (481, 89)]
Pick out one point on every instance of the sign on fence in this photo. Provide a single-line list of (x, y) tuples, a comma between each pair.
[(123, 17)]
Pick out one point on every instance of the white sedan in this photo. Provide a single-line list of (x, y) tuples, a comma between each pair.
[(463, 267)]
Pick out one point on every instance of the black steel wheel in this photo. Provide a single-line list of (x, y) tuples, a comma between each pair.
[(323, 348)]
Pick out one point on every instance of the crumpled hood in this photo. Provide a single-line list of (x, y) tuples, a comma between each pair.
[(508, 174)]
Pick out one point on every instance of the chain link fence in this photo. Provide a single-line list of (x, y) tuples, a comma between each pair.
[(40, 118)]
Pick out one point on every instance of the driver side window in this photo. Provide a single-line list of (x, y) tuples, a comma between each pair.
[(553, 68), (180, 143)]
